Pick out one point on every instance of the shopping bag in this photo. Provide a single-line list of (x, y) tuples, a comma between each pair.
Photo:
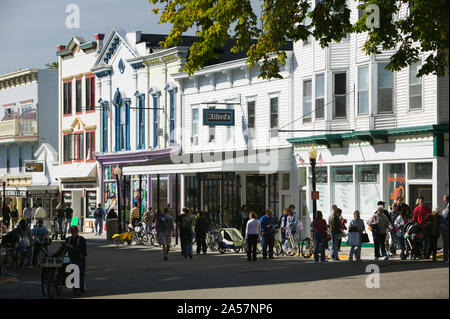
[(365, 238)]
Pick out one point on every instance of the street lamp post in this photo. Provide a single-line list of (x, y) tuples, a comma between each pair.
[(117, 172), (312, 161)]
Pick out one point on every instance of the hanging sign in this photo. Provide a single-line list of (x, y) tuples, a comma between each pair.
[(213, 117)]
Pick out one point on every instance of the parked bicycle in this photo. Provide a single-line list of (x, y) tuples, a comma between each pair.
[(212, 239), (153, 237), (307, 249), (140, 235)]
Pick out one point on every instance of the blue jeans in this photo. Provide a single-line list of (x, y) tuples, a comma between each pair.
[(67, 225), (98, 224), (320, 243), (358, 253), (267, 241), (28, 220), (335, 246), (60, 226), (393, 248)]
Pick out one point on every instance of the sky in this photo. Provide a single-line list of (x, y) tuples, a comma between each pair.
[(30, 30)]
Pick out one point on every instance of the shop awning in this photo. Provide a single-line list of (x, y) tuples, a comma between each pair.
[(71, 171), (264, 162)]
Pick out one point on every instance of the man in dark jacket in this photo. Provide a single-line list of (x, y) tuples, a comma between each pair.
[(336, 232), (179, 222), (6, 215), (76, 246), (201, 228), (267, 238)]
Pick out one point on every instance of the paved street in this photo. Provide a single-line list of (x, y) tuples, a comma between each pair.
[(140, 272)]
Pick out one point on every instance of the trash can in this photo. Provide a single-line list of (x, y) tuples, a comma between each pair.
[(112, 227)]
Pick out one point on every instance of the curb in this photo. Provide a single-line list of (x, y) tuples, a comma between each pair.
[(9, 280)]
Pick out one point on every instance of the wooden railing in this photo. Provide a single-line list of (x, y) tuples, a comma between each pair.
[(18, 127)]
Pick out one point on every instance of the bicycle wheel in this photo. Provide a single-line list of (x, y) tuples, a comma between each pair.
[(154, 240), (145, 238), (222, 249), (307, 247)]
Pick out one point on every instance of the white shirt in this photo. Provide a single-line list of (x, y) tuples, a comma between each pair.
[(253, 228), (40, 213)]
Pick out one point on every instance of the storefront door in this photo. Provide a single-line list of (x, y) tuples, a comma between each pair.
[(415, 191), (256, 194)]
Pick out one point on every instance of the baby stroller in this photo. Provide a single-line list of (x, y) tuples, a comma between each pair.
[(413, 235), (230, 238)]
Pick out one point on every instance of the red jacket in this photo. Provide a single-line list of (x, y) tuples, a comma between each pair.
[(420, 214)]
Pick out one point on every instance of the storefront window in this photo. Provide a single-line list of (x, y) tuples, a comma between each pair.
[(191, 192), (322, 187), (137, 193), (286, 182), (421, 171), (67, 198), (110, 195), (163, 187), (369, 191), (302, 176), (343, 191), (395, 182), (91, 203)]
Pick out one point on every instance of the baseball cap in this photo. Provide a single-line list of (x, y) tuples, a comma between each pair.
[(380, 203), (73, 228)]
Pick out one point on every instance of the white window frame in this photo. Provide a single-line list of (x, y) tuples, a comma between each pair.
[(380, 65), (195, 123), (307, 118), (409, 90), (367, 90), (333, 73), (319, 97)]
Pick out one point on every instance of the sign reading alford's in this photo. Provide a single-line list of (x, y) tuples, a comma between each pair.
[(214, 117), (34, 166)]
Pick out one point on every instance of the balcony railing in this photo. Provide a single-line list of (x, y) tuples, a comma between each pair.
[(18, 127)]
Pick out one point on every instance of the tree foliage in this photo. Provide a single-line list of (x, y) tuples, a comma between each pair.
[(424, 29), (52, 66)]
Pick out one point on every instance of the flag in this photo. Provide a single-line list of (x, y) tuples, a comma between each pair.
[(301, 160), (320, 160)]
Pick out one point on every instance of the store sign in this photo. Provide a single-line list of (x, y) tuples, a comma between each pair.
[(79, 186), (14, 193), (217, 176), (42, 192), (396, 186), (213, 117), (315, 195), (34, 167)]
